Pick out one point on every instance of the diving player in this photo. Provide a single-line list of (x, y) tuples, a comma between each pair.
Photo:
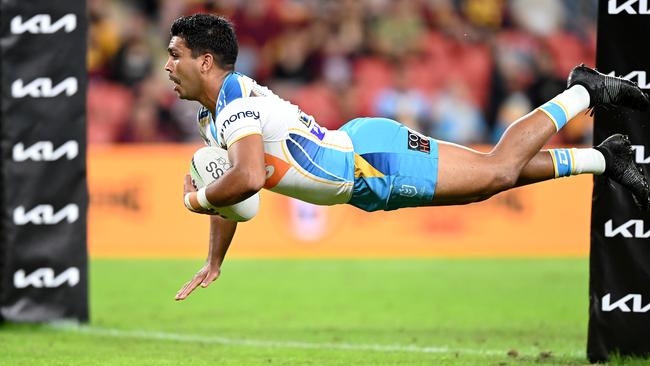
[(371, 163)]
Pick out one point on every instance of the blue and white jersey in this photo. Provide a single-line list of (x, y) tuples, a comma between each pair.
[(371, 163), (303, 160), (235, 86)]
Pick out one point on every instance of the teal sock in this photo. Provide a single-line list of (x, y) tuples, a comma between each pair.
[(563, 162), (574, 161)]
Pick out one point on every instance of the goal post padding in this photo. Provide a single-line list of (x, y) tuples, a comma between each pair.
[(43, 276), (619, 286)]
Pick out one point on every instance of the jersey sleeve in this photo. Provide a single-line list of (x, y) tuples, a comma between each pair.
[(239, 119)]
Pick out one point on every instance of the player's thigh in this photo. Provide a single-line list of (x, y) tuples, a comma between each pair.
[(464, 175)]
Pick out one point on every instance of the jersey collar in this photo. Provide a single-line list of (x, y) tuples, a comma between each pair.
[(230, 90)]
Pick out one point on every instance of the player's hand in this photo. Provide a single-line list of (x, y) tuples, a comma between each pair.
[(188, 187), (204, 277)]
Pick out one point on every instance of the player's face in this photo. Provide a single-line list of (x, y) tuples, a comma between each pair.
[(183, 69)]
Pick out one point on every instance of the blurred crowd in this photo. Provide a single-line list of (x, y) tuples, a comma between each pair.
[(457, 70)]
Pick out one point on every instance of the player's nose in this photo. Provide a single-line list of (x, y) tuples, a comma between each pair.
[(168, 65)]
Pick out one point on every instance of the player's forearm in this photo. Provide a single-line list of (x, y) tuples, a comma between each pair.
[(222, 232), (235, 186)]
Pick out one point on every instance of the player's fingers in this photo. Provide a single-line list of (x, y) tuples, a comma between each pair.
[(190, 286), (185, 286), (179, 292), (213, 275), (187, 290)]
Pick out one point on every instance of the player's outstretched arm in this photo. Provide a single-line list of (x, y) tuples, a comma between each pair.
[(221, 233)]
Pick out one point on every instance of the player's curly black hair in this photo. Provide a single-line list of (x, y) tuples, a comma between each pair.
[(206, 33)]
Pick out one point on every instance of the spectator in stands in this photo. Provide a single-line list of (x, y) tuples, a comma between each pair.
[(345, 51)]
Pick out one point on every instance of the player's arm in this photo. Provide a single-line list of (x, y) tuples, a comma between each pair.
[(244, 179), (221, 233), (247, 175)]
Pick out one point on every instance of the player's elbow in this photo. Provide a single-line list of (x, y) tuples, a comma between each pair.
[(256, 184), (253, 181)]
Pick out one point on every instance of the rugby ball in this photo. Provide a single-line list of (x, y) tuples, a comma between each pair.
[(209, 163)]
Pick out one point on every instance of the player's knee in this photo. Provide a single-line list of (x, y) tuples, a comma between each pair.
[(503, 174), (502, 179)]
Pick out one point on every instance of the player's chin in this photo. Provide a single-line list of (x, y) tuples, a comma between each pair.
[(179, 91), (180, 94), (184, 95)]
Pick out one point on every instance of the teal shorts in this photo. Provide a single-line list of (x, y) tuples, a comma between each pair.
[(395, 166)]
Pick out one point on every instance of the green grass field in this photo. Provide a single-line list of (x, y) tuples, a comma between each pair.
[(323, 312)]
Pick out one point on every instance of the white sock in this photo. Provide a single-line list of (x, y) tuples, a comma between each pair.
[(566, 105), (589, 161), (575, 100)]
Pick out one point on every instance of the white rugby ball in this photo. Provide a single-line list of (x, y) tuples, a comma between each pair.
[(209, 163)]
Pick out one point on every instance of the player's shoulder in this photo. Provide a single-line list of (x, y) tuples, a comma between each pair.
[(245, 113), (247, 107), (247, 83)]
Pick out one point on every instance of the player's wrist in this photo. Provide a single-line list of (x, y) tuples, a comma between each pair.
[(202, 198), (188, 199)]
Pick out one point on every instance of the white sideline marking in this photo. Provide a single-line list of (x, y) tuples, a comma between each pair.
[(193, 338)]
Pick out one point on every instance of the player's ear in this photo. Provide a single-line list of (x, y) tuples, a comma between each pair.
[(207, 62)]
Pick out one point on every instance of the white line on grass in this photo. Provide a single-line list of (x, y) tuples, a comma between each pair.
[(193, 338)]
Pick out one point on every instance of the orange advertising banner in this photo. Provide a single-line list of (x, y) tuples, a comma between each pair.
[(137, 210)]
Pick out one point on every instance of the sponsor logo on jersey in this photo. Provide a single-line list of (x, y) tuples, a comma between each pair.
[(317, 131), (234, 118), (418, 142), (270, 169), (276, 169), (408, 191), (305, 119), (237, 116)]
